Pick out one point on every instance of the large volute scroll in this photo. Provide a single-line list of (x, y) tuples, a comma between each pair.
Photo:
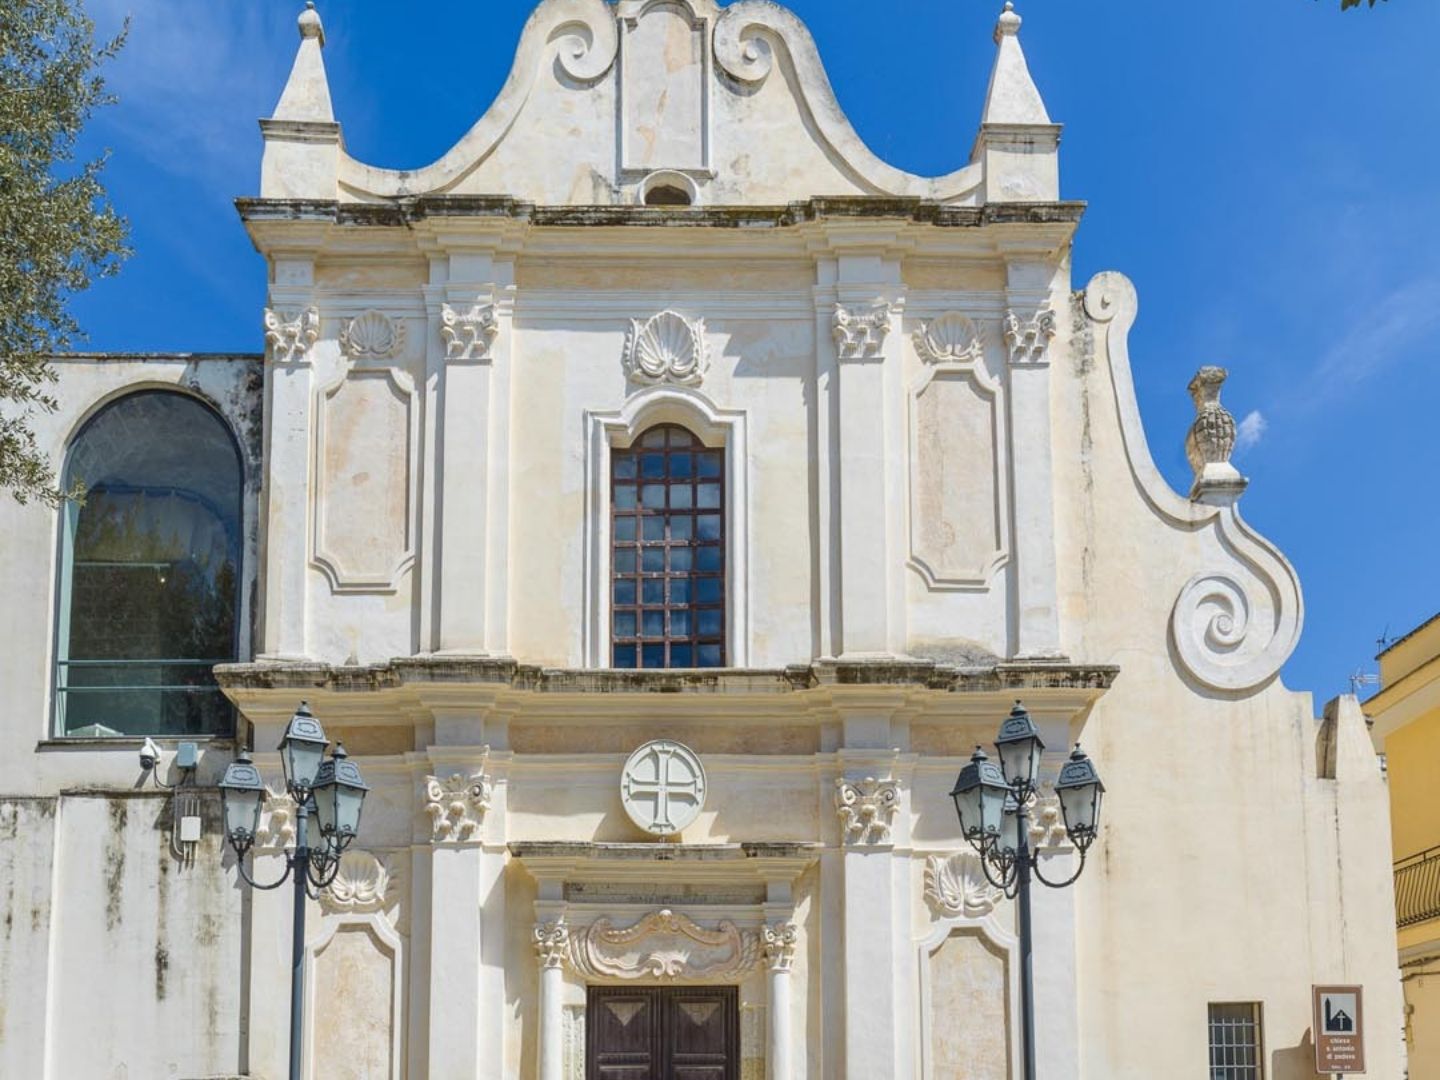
[(1237, 619)]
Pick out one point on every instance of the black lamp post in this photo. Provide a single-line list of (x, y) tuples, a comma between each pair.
[(993, 803), (335, 792)]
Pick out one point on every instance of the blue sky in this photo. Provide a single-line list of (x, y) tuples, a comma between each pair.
[(1267, 173)]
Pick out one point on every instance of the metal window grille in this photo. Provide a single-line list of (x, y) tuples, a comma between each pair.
[(667, 516), (1235, 1043)]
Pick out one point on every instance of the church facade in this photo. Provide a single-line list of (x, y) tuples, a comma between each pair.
[(661, 496)]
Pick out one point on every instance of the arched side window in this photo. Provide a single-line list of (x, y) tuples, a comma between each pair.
[(149, 571), (667, 566)]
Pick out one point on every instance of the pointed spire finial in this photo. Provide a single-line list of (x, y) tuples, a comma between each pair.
[(310, 24), (1009, 23)]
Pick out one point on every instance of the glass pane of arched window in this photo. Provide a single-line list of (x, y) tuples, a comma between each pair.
[(667, 509), (150, 571)]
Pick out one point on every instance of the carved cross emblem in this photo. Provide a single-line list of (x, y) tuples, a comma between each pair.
[(663, 787)]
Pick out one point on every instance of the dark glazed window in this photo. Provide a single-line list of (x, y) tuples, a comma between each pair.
[(149, 571), (667, 520), (667, 195)]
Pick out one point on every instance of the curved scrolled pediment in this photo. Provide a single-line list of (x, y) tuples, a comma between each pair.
[(687, 83), (1237, 619), (665, 946)]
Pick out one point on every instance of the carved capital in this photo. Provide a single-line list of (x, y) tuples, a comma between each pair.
[(552, 943), (1028, 336), (468, 335), (372, 335), (456, 805), (860, 334), (289, 335), (778, 941), (1047, 822), (866, 809), (666, 348), (277, 825), (956, 887)]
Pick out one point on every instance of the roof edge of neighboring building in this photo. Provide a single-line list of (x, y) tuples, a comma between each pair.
[(1403, 638), (130, 356)]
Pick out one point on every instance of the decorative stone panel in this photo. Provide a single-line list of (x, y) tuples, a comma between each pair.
[(366, 431), (959, 531)]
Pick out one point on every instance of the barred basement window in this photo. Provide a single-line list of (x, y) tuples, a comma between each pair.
[(667, 515), (1236, 1047)]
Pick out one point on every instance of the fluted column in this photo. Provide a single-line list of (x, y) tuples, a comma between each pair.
[(780, 941), (552, 941)]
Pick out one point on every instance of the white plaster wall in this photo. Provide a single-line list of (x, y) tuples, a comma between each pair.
[(144, 965), (1229, 870)]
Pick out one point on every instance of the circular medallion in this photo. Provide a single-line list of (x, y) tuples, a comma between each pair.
[(663, 787)]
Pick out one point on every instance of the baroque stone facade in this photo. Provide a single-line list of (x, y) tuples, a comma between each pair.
[(751, 446)]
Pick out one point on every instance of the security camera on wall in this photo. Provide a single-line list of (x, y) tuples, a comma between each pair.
[(149, 754)]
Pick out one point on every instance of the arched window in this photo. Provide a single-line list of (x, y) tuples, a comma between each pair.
[(149, 571), (667, 512)]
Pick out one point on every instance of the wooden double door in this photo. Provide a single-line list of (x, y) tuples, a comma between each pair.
[(662, 1033)]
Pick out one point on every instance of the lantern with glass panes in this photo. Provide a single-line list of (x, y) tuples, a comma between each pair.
[(994, 804), (333, 791)]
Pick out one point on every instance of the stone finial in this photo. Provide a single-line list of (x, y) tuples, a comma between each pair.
[(1018, 145), (1008, 24), (1211, 441), (306, 96), (312, 27)]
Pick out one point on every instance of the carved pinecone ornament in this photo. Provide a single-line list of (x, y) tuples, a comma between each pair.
[(1212, 435)]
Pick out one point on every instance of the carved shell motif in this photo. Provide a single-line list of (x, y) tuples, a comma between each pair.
[(666, 348), (956, 886), (361, 884), (949, 339), (372, 336)]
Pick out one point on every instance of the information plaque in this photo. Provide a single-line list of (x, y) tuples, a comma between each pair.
[(1339, 1030)]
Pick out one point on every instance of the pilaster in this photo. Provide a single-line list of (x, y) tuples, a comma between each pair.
[(866, 808), (467, 919), (292, 329), (466, 496), (1030, 325), (860, 302)]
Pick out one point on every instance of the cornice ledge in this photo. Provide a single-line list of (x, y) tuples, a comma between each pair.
[(1044, 675), (905, 672), (664, 852), (401, 212)]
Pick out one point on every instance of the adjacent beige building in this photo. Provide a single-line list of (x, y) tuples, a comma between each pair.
[(1405, 717), (661, 420)]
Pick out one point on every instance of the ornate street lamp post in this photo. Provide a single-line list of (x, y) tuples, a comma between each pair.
[(334, 792), (993, 803)]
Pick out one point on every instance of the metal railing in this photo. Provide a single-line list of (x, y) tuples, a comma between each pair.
[(1417, 888)]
